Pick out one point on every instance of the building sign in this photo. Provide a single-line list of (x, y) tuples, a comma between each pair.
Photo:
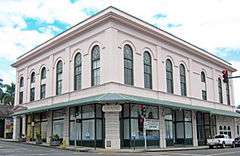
[(150, 124), (112, 108)]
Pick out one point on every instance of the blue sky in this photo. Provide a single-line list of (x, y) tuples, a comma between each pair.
[(26, 23)]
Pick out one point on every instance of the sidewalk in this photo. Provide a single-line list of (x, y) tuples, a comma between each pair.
[(102, 150)]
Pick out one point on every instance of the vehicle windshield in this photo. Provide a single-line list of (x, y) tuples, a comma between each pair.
[(219, 136)]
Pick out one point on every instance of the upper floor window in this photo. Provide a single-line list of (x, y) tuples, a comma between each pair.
[(95, 59), (204, 90), (220, 90), (169, 76), (42, 91), (128, 65), (20, 97), (43, 85), (147, 70), (183, 80), (228, 93), (43, 73), (32, 94), (33, 77), (203, 78), (77, 71), (59, 71), (21, 82)]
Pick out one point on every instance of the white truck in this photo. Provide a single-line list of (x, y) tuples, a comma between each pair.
[(221, 140)]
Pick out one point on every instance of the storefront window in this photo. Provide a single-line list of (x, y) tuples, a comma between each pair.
[(206, 127), (58, 128), (88, 129), (88, 111), (135, 110), (178, 127), (126, 129), (99, 128), (169, 126), (89, 125), (152, 112), (29, 128), (132, 125), (58, 123)]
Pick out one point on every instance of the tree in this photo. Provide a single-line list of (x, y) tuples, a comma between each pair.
[(1, 90), (9, 94)]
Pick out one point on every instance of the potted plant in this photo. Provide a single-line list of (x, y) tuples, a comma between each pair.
[(38, 138), (54, 140), (23, 138)]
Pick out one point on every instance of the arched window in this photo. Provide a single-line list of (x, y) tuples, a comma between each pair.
[(20, 100), (43, 84), (220, 90), (21, 82), (204, 90), (128, 65), (169, 76), (43, 73), (77, 71), (95, 58), (32, 87), (33, 77), (147, 70), (59, 71), (183, 80), (203, 78)]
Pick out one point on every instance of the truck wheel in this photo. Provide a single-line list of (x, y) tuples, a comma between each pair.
[(223, 145), (233, 145), (210, 146)]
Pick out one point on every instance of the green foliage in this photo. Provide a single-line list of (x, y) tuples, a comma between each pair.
[(7, 93), (54, 138)]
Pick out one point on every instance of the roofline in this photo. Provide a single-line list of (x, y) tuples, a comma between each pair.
[(111, 8)]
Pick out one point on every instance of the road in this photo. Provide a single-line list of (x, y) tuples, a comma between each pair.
[(17, 149)]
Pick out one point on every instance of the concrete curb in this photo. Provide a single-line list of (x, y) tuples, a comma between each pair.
[(99, 150)]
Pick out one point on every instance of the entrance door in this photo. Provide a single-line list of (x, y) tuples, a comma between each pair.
[(2, 128), (20, 128)]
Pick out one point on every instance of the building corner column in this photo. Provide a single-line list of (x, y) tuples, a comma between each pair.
[(66, 126), (162, 129), (49, 126), (194, 129), (16, 128), (24, 117), (112, 126)]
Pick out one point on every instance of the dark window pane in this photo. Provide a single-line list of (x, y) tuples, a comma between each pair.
[(59, 78), (43, 73), (128, 65), (183, 80), (95, 65), (169, 76), (33, 77), (77, 71), (32, 94)]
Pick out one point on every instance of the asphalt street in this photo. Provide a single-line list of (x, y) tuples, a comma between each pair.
[(18, 149)]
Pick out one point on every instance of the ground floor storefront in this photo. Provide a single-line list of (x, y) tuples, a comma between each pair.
[(126, 125)]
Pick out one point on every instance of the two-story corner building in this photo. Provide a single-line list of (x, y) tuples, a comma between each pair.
[(114, 79)]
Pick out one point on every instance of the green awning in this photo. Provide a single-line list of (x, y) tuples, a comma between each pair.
[(123, 98)]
